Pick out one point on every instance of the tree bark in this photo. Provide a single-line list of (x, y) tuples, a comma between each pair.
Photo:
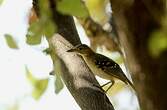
[(75, 73), (135, 21)]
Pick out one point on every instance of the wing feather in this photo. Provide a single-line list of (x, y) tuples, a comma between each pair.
[(110, 67)]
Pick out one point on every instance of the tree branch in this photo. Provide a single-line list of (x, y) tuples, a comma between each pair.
[(78, 78), (75, 73)]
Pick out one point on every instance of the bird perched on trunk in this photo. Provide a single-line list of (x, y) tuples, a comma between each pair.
[(101, 65)]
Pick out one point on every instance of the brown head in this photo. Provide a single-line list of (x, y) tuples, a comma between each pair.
[(81, 49)]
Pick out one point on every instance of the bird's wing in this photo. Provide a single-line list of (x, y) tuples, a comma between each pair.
[(110, 67)]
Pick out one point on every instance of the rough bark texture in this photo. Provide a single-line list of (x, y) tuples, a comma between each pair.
[(78, 78), (136, 20), (76, 75)]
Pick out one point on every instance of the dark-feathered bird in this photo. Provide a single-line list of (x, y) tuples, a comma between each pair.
[(101, 65)]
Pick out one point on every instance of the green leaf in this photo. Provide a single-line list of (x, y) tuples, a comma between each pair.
[(72, 7), (57, 69), (34, 34), (157, 43), (58, 84), (44, 26), (33, 40), (39, 88), (49, 29), (30, 77), (10, 41), (46, 19), (40, 85), (44, 8), (97, 10), (1, 1), (46, 15)]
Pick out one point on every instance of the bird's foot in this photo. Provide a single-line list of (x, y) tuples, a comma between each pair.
[(99, 87), (112, 83)]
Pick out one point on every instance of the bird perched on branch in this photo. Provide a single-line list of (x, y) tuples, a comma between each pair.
[(101, 65)]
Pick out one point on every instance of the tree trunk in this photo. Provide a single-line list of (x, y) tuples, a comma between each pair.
[(135, 21)]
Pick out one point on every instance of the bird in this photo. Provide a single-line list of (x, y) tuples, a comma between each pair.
[(101, 65)]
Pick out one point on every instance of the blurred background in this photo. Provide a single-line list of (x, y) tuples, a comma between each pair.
[(25, 80)]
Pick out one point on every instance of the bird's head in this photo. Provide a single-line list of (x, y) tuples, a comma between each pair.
[(81, 49)]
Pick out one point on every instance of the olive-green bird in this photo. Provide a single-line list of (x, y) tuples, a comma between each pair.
[(101, 65)]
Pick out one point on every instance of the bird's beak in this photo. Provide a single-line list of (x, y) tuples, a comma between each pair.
[(71, 50)]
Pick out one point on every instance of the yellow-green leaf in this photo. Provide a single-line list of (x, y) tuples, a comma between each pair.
[(57, 69), (44, 26), (10, 41), (39, 88), (49, 29), (72, 7), (58, 84), (39, 85), (34, 34), (157, 43), (33, 40), (30, 77), (97, 10), (1, 1), (44, 8)]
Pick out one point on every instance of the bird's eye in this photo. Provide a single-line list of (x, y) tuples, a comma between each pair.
[(80, 48)]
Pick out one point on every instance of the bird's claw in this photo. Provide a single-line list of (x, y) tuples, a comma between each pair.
[(99, 87)]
